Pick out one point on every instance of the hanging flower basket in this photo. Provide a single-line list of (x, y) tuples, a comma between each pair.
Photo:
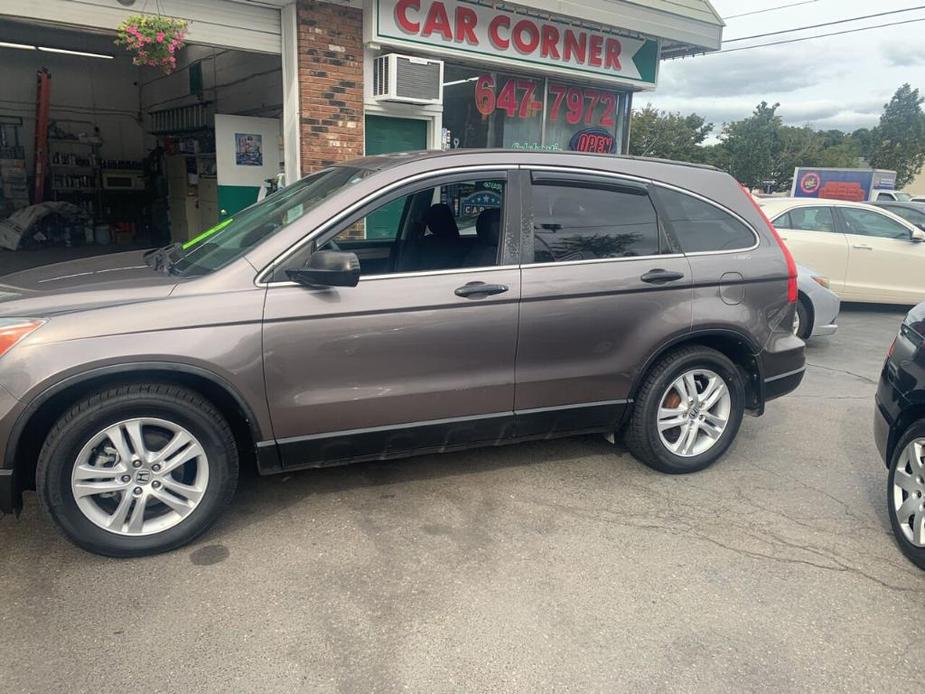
[(154, 40)]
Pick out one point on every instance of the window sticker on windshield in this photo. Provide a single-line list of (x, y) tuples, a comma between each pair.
[(207, 233)]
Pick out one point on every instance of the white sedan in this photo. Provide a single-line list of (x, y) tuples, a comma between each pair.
[(867, 253)]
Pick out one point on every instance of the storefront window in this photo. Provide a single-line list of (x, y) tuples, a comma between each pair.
[(493, 109)]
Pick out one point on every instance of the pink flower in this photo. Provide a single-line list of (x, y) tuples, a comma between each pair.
[(160, 37)]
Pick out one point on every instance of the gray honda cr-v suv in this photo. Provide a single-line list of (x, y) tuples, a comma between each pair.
[(386, 307)]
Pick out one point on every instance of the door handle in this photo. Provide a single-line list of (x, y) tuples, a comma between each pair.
[(659, 276), (475, 290), (863, 247)]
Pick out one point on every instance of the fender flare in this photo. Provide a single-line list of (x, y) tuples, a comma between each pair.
[(692, 336), (118, 369)]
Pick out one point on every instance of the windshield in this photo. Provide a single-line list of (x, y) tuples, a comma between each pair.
[(903, 197), (233, 237)]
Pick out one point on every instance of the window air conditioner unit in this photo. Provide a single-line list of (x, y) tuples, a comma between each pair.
[(407, 79)]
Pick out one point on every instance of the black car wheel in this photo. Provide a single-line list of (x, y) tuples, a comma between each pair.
[(137, 469), (906, 494), (687, 412)]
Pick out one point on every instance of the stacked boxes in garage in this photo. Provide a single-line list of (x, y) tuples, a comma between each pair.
[(208, 201), (183, 201)]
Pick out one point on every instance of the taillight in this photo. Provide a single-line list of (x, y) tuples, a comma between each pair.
[(792, 291)]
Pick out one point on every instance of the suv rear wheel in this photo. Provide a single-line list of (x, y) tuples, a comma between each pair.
[(906, 494), (688, 411), (137, 469)]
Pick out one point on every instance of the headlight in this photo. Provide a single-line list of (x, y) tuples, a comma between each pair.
[(822, 281), (12, 330)]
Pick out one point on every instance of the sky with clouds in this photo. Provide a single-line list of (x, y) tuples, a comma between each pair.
[(836, 82)]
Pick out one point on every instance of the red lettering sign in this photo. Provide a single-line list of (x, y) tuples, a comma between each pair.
[(494, 35), (438, 21), (466, 20), (525, 26), (401, 15), (462, 26), (518, 99)]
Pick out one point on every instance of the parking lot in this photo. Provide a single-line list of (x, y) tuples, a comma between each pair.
[(562, 565)]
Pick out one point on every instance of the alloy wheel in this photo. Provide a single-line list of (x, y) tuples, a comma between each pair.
[(140, 476), (908, 492), (694, 412)]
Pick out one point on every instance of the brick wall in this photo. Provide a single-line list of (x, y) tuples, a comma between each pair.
[(330, 83)]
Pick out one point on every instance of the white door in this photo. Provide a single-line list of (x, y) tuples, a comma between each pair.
[(811, 235), (884, 263)]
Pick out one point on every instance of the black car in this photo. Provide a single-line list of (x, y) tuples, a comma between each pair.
[(899, 430), (910, 211)]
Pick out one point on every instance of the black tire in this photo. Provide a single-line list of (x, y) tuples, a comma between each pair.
[(95, 413), (806, 323), (642, 437), (915, 554)]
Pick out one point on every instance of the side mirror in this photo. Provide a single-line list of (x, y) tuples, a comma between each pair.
[(330, 269), (918, 235)]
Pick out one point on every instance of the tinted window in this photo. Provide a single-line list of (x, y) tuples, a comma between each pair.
[(868, 223), (700, 226), (812, 219), (586, 222)]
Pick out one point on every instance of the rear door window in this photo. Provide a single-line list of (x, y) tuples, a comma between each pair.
[(587, 220), (812, 219), (699, 226)]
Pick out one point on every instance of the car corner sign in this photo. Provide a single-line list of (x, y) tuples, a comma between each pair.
[(500, 34)]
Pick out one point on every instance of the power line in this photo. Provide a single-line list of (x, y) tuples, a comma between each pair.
[(818, 36), (770, 9), (825, 24)]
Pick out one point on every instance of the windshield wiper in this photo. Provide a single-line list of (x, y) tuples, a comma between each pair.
[(162, 259)]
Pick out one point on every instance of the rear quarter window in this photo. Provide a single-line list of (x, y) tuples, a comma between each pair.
[(698, 226)]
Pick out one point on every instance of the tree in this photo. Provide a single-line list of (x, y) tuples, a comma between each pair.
[(798, 147), (666, 135), (847, 155), (754, 145), (898, 143)]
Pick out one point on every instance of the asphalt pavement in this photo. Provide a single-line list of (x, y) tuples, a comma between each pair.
[(552, 566)]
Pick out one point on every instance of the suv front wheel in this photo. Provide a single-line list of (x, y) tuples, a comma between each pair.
[(687, 412), (137, 469)]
